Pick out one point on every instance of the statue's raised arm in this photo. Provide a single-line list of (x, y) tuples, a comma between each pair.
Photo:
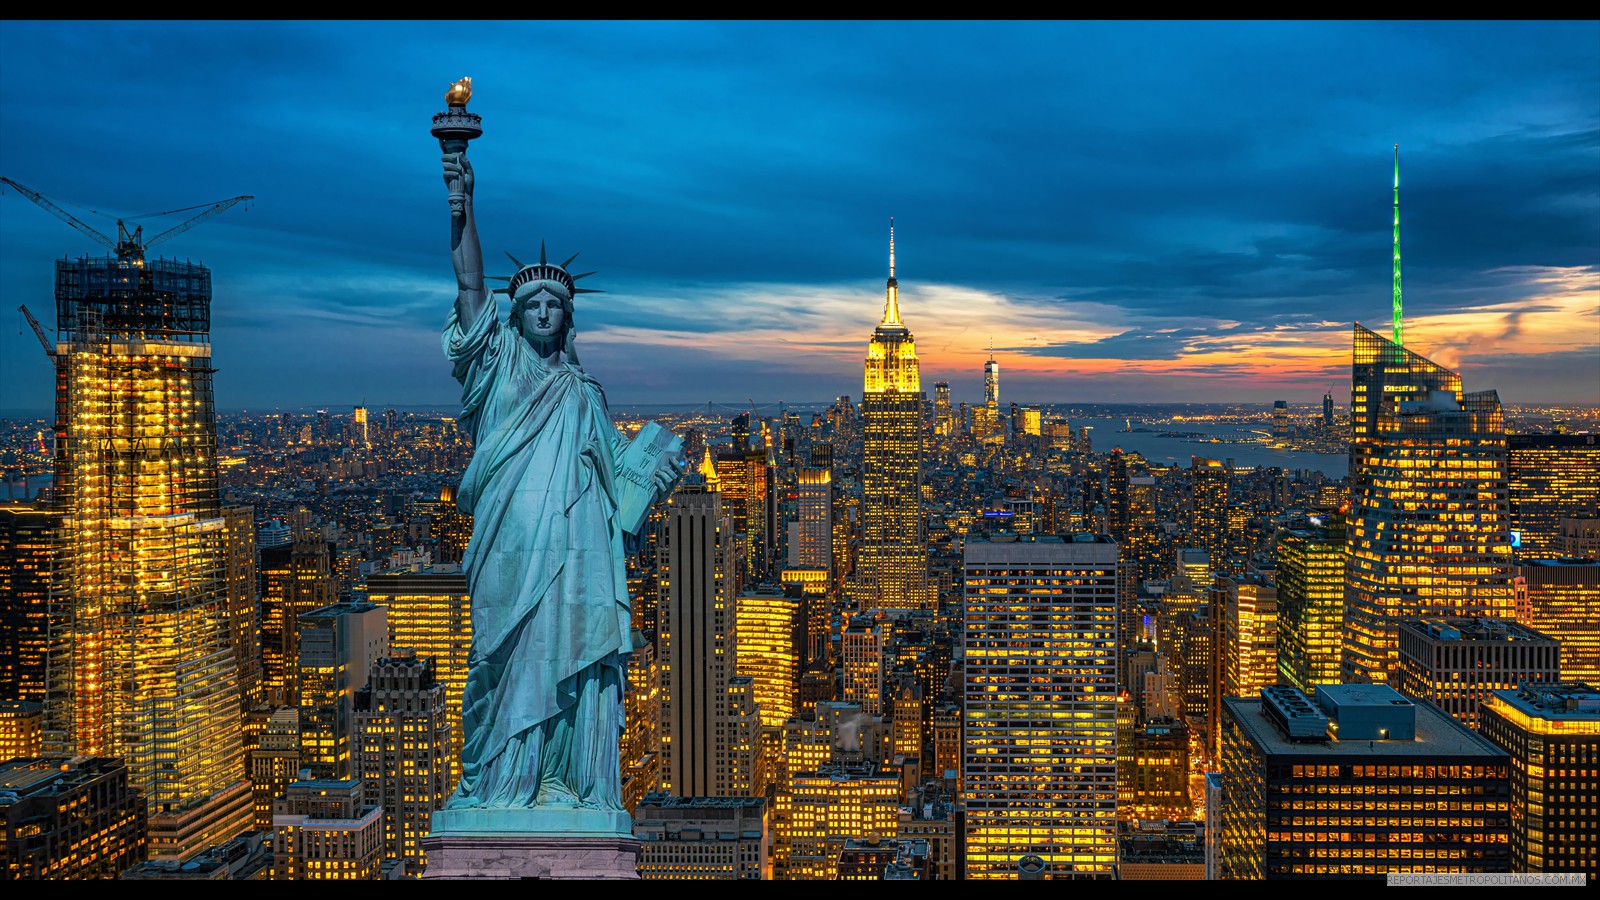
[(465, 251)]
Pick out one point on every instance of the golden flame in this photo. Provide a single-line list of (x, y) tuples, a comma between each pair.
[(460, 92)]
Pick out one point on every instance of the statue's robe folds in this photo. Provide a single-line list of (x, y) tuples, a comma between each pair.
[(542, 709)]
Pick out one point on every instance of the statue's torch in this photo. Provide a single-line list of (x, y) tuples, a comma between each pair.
[(454, 128)]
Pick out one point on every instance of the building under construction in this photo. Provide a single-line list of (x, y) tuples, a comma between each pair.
[(142, 663)]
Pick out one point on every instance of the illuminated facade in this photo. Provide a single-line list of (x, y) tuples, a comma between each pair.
[(430, 612), (833, 805), (338, 646), (744, 480), (702, 838), (639, 751), (811, 534), (142, 663), (991, 383), (1310, 606), (66, 818), (1032, 423), (1428, 520), (27, 551), (1039, 747), (21, 729), (1402, 788), (1550, 477), (696, 641), (296, 578), (892, 569), (1552, 732), (1160, 782), (1208, 523), (1456, 663), (1561, 598), (274, 763), (403, 752), (325, 831), (1249, 645), (865, 664), (943, 416), (244, 610), (770, 630)]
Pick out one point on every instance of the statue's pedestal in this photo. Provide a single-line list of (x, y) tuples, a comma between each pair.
[(503, 844)]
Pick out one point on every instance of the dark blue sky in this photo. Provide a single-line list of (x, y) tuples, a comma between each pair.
[(1131, 211)]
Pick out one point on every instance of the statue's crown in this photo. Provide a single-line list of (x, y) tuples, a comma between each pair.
[(544, 270)]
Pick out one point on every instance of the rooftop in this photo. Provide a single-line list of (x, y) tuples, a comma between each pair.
[(1559, 562), (1465, 628), (1564, 700), (1437, 734)]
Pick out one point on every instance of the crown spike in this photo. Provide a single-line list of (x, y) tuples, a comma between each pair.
[(570, 259), (542, 260), (587, 291), (584, 275), (514, 261)]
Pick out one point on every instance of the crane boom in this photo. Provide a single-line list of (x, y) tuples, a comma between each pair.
[(129, 245), (181, 227), (38, 332), (62, 214)]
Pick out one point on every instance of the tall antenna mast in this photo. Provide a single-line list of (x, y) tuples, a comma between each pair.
[(1398, 336)]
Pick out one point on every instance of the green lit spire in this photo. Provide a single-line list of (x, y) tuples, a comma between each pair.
[(1398, 339)]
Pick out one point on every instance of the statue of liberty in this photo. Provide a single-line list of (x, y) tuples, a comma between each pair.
[(554, 489)]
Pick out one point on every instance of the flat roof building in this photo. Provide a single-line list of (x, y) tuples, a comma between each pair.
[(1552, 733), (1392, 785), (1456, 662)]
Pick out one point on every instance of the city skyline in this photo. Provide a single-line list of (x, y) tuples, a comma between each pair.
[(1165, 212)]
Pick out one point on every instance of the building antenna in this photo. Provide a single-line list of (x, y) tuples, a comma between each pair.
[(1398, 336), (891, 306)]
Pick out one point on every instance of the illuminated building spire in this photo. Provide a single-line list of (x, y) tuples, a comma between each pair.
[(1399, 341), (891, 306)]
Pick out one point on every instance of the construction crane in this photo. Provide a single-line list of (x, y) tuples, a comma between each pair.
[(49, 349), (131, 245)]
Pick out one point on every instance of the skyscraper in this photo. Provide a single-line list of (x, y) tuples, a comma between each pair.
[(295, 579), (430, 612), (1249, 640), (1428, 517), (142, 663), (403, 750), (338, 646), (1561, 598), (1456, 663), (893, 567), (1310, 606), (1040, 745), (770, 631), (1362, 784), (1552, 733), (244, 608), (27, 551), (943, 417), (695, 639), (1208, 523), (811, 535), (1550, 477), (991, 382)]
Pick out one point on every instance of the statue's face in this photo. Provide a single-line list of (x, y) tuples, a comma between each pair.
[(542, 316)]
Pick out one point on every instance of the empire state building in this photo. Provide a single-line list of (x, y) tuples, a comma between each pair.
[(892, 570)]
